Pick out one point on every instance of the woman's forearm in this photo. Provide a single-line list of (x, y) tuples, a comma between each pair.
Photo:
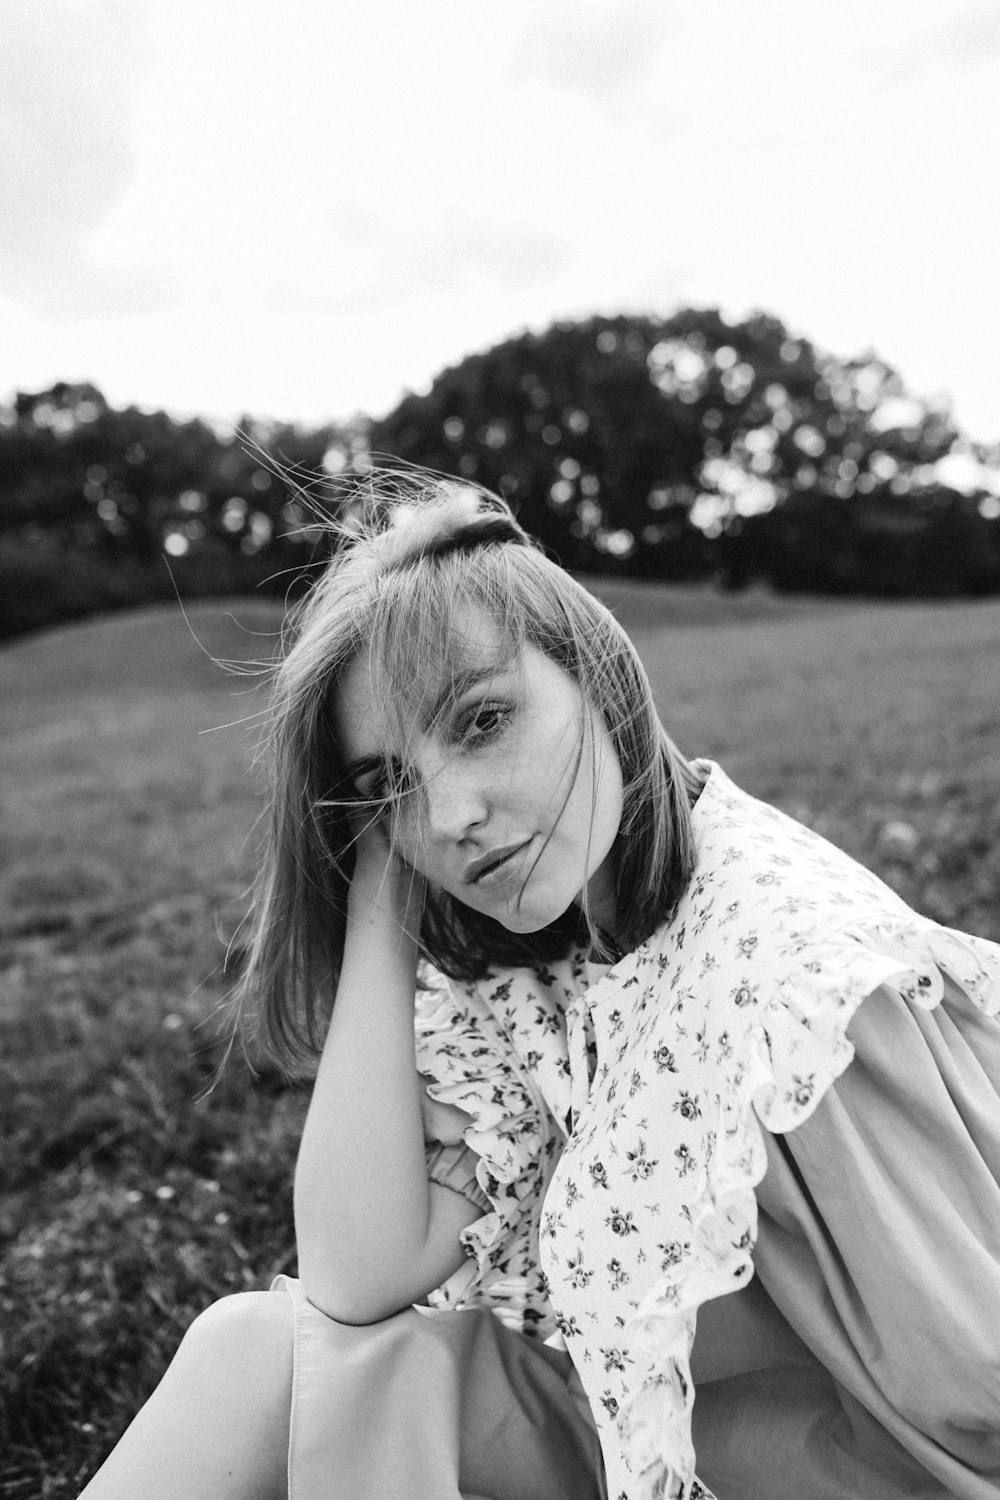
[(373, 1235)]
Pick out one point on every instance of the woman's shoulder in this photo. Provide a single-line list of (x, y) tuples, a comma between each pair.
[(781, 937), (766, 863)]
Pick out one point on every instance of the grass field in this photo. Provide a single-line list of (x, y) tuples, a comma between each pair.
[(129, 1198)]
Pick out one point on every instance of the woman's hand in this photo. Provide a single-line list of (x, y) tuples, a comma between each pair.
[(383, 882)]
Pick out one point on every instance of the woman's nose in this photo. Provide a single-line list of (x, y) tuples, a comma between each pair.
[(455, 798)]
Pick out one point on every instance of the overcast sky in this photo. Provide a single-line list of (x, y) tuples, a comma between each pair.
[(301, 208)]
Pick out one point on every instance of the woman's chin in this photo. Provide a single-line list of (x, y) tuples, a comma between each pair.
[(523, 923), (531, 919)]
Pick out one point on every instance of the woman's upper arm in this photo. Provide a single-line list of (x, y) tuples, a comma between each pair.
[(879, 1233)]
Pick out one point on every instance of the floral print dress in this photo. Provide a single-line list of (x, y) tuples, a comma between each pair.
[(618, 1111)]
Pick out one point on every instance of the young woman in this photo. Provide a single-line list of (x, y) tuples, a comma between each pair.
[(679, 1127)]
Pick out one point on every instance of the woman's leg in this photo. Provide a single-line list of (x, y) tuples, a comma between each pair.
[(216, 1427)]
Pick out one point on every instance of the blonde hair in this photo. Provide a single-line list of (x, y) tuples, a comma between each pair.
[(426, 554)]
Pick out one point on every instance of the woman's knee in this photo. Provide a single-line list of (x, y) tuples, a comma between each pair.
[(247, 1333), (218, 1422)]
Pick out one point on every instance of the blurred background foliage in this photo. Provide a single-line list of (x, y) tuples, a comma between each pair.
[(692, 447)]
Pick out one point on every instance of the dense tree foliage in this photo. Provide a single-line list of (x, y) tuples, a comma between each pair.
[(693, 446), (102, 509), (654, 445)]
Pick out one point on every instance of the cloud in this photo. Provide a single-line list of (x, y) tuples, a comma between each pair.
[(68, 71), (412, 261), (602, 52), (972, 36), (967, 40), (512, 255)]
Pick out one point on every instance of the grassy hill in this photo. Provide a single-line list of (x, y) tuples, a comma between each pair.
[(129, 1198)]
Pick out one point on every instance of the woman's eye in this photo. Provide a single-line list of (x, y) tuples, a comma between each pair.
[(386, 787), (370, 803), (486, 721)]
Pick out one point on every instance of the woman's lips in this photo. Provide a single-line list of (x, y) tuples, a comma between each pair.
[(492, 866)]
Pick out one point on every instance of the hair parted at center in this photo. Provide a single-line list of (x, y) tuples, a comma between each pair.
[(428, 554)]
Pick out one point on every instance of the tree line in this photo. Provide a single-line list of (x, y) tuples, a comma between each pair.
[(689, 447)]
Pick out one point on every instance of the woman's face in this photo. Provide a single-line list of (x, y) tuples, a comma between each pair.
[(516, 793)]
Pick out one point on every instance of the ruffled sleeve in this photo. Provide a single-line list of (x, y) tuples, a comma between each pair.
[(468, 1062), (804, 1033), (455, 1167), (789, 1047)]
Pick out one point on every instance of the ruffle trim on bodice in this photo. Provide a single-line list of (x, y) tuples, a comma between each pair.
[(461, 1044), (796, 1047)]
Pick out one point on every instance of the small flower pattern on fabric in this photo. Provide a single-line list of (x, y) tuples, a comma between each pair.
[(617, 1109)]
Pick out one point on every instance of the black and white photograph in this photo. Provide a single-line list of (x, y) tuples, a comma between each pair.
[(499, 750)]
